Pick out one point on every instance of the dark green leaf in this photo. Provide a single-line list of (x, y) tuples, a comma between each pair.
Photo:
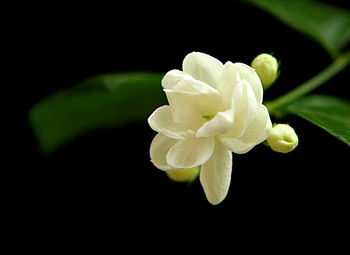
[(328, 25), (330, 113), (103, 101)]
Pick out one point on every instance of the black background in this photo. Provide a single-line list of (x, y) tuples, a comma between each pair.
[(102, 191)]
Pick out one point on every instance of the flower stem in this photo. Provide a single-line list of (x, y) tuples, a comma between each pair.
[(339, 64)]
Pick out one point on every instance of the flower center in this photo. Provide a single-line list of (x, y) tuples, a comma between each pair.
[(208, 117)]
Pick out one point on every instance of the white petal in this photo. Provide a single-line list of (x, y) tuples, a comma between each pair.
[(229, 81), (237, 96), (235, 145), (249, 74), (183, 108), (254, 132), (180, 81), (203, 67), (171, 78), (245, 109), (159, 149), (252, 103), (162, 121), (259, 133), (189, 107), (190, 152), (215, 175), (220, 124)]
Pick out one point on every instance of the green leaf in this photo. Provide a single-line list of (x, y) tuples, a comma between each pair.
[(103, 101), (330, 113), (326, 24)]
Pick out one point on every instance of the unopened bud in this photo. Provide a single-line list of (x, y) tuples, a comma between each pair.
[(266, 67), (282, 138), (184, 175)]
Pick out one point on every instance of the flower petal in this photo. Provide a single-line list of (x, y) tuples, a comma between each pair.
[(162, 121), (229, 81), (235, 145), (220, 124), (190, 152), (189, 107), (245, 109), (237, 96), (215, 175), (183, 108), (257, 131), (203, 67), (252, 103), (171, 78), (159, 149), (180, 81), (249, 74), (254, 132)]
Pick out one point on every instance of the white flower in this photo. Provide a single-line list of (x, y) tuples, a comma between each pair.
[(214, 109)]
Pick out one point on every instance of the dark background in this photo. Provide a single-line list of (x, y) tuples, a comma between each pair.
[(102, 191)]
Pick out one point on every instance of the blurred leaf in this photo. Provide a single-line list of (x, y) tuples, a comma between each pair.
[(326, 24), (330, 113), (108, 100)]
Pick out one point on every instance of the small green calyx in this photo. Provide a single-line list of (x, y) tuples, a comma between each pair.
[(208, 117)]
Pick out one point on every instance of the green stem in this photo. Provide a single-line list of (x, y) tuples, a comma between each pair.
[(339, 64)]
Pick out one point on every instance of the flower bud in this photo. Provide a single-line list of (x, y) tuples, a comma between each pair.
[(282, 138), (184, 175), (266, 67)]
